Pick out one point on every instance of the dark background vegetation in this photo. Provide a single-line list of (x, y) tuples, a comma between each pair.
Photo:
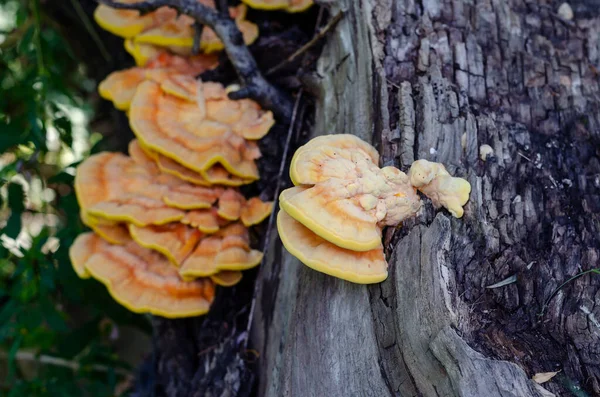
[(61, 335)]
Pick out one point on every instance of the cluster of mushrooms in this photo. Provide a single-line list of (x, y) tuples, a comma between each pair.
[(168, 221), (332, 219)]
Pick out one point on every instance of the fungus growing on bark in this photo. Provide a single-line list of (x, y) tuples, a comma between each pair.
[(284, 5), (215, 175), (165, 28), (344, 200), (227, 278), (179, 32), (178, 240), (321, 255), (444, 190), (114, 187), (191, 130), (228, 249), (129, 23), (113, 232), (174, 240), (255, 211), (120, 87), (141, 53), (140, 279)]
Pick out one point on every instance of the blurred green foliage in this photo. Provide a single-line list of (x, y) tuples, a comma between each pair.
[(55, 329)]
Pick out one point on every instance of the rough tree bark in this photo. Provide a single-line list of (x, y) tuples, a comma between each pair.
[(436, 79)]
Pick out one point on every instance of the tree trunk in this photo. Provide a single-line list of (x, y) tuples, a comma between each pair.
[(436, 79)]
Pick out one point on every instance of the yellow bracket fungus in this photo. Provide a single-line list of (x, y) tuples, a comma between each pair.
[(114, 187), (179, 32), (193, 129), (444, 190), (165, 28), (120, 87), (129, 23), (228, 249), (343, 200), (319, 254), (283, 5), (140, 279)]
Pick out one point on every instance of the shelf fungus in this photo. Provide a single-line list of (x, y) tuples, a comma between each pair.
[(120, 86), (215, 175), (140, 279), (196, 254), (197, 126), (227, 250), (179, 33), (165, 28), (114, 187), (129, 23), (179, 240), (283, 5), (333, 219)]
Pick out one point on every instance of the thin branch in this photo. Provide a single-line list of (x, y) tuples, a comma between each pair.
[(254, 84), (61, 362), (198, 28), (284, 156), (575, 277), (317, 37), (223, 7), (90, 28)]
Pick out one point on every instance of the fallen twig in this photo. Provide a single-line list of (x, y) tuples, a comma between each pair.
[(61, 362), (255, 86)]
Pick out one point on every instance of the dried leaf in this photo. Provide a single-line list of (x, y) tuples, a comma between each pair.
[(542, 377)]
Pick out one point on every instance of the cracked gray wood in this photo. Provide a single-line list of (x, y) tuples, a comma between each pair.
[(436, 79)]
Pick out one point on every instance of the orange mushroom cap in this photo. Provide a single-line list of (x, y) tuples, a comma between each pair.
[(228, 249), (142, 157), (113, 232), (174, 240), (141, 53), (179, 32), (129, 23), (183, 130), (115, 187), (207, 220), (444, 190), (328, 156), (255, 211), (215, 175), (119, 87), (226, 278), (141, 280), (350, 213), (363, 267), (284, 5), (352, 198), (177, 240)]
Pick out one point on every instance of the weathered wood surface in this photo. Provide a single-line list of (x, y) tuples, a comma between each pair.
[(436, 79)]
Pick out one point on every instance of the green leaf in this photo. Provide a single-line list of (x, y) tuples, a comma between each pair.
[(13, 226), (16, 197), (62, 177), (8, 310), (26, 44), (53, 317), (12, 134), (12, 353)]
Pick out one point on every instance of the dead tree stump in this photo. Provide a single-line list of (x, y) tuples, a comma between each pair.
[(436, 79)]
